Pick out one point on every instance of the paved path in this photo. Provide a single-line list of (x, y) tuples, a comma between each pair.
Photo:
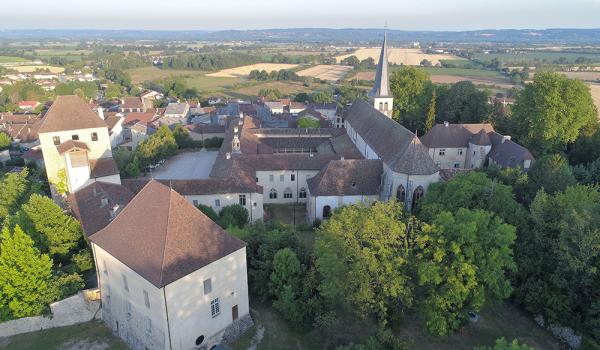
[(187, 165)]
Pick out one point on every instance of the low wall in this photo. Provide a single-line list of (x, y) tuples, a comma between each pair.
[(76, 309)]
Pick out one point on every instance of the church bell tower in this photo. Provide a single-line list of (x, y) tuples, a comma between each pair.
[(380, 95)]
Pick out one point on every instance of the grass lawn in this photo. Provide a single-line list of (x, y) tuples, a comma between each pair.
[(502, 320), (89, 335), (11, 59), (194, 78)]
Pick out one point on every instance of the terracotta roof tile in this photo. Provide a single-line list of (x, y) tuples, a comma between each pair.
[(70, 113), (347, 178), (103, 167), (70, 145)]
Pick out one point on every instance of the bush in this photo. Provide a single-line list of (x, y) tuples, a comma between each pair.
[(67, 285), (233, 215), (383, 340), (316, 224), (83, 260), (209, 211), (213, 142)]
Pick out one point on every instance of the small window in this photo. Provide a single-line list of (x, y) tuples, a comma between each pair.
[(215, 307), (281, 178), (94, 136), (460, 152), (125, 285), (56, 140), (146, 299), (302, 193), (148, 325), (442, 151), (287, 194), (456, 165), (217, 203), (271, 178), (199, 340), (195, 202), (293, 177), (75, 137), (273, 194), (207, 286), (243, 200)]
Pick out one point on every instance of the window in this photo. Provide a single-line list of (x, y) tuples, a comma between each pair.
[(242, 199), (456, 165), (94, 136), (460, 152), (199, 340), (195, 202), (401, 194), (148, 325), (125, 285), (56, 140), (381, 106), (215, 307), (417, 195), (146, 299), (207, 286), (293, 177), (326, 212), (281, 177), (271, 178), (273, 194), (287, 194), (74, 137), (302, 193), (385, 106), (217, 203), (442, 151)]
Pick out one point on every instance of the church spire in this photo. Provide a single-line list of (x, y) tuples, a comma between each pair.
[(381, 87)]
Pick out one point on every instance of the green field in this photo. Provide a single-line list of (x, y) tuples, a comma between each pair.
[(11, 59), (463, 72), (533, 56), (90, 335)]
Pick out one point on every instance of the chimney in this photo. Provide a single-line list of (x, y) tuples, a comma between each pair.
[(505, 138), (446, 123), (114, 210)]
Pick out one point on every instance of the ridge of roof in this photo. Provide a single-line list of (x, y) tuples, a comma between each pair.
[(70, 112)]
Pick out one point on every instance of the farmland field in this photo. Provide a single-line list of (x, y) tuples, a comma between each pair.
[(596, 96), (453, 75), (412, 57), (205, 83), (243, 71), (285, 87), (11, 59), (520, 58), (142, 74), (32, 68), (326, 72)]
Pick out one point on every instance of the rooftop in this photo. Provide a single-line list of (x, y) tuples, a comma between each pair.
[(70, 113)]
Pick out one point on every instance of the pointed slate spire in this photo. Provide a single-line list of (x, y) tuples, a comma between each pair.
[(382, 84)]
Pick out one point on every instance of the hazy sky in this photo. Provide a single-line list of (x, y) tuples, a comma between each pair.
[(256, 14)]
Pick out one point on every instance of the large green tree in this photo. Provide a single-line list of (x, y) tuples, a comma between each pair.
[(503, 344), (462, 262), (285, 284), (463, 103), (551, 172), (14, 190), (362, 255), (553, 111), (412, 89), (25, 276)]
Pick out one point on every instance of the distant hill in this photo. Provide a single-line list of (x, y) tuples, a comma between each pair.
[(325, 35)]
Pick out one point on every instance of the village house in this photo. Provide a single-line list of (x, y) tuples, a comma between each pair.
[(169, 277), (28, 105), (22, 128), (176, 113), (132, 104)]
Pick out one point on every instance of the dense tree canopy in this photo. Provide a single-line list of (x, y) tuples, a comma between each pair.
[(463, 103), (551, 172), (503, 344), (412, 89)]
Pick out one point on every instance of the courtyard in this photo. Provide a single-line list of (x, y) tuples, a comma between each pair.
[(187, 166)]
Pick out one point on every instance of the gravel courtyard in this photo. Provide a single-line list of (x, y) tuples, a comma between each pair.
[(187, 165)]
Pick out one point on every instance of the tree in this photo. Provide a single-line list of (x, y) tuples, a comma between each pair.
[(502, 344), (182, 137), (384, 339), (551, 172), (464, 103), (306, 122), (430, 119), (41, 217), (553, 111), (412, 89), (362, 254), (285, 284), (14, 189), (209, 211), (4, 141), (269, 94), (113, 91), (233, 215), (462, 261), (25, 275), (351, 61)]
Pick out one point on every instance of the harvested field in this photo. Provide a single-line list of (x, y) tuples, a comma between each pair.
[(412, 57), (472, 75), (596, 96), (326, 72), (287, 88), (243, 71), (31, 69)]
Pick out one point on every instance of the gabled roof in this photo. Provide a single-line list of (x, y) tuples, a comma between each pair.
[(103, 167), (392, 142), (481, 139), (71, 145), (508, 153), (163, 237), (348, 177), (453, 135), (132, 102), (381, 88), (70, 113)]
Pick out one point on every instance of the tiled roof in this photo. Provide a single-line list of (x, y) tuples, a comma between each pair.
[(112, 121), (453, 135), (347, 178), (163, 237), (103, 167), (139, 117), (392, 142), (96, 204), (70, 113), (198, 186), (71, 145), (132, 102), (381, 88), (177, 108), (508, 153), (481, 139)]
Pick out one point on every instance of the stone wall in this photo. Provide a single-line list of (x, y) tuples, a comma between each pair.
[(67, 312), (565, 334)]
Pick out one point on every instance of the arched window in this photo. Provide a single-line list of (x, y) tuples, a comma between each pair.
[(273, 194), (381, 106), (386, 106), (401, 194), (287, 193), (326, 212), (302, 193), (417, 195)]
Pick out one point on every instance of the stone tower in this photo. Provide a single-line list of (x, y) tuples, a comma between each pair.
[(380, 95)]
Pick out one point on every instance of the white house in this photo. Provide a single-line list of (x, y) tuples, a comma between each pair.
[(169, 277)]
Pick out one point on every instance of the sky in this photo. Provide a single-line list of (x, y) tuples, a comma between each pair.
[(262, 14)]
